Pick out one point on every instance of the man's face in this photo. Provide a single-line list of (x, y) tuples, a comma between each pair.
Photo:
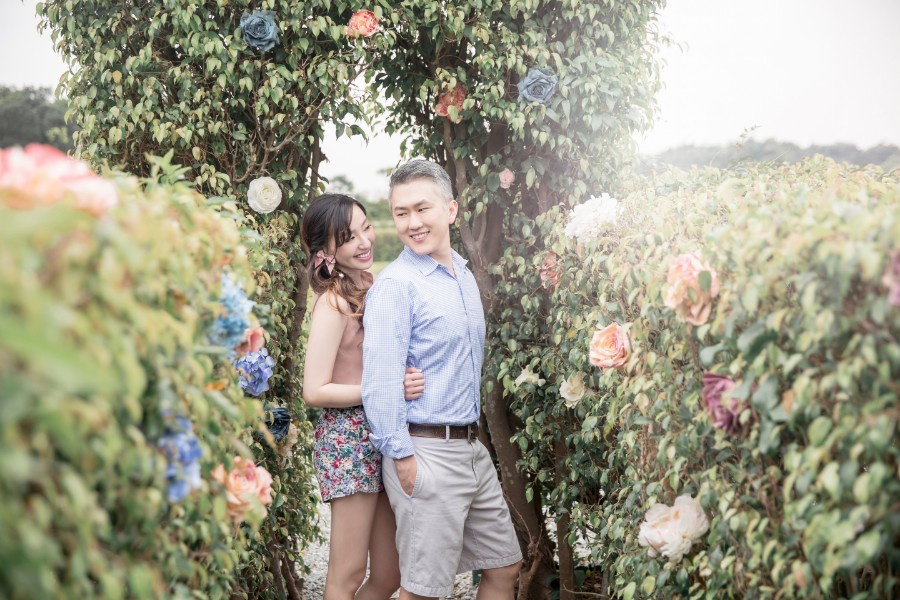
[(423, 217)]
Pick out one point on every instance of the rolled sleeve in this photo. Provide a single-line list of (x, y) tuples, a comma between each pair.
[(387, 325)]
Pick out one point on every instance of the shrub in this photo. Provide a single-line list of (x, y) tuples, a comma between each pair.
[(105, 364), (795, 465)]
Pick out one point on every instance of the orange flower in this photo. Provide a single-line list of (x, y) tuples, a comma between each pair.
[(454, 97), (610, 347), (254, 340), (685, 295), (550, 272), (363, 23), (244, 486)]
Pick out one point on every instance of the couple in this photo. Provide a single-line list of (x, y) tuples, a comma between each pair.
[(373, 346)]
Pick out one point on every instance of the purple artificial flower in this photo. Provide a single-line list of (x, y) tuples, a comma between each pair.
[(255, 368), (723, 410)]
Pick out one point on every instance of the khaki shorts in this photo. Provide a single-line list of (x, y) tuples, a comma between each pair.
[(456, 519)]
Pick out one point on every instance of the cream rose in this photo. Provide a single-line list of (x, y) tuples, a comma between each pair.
[(573, 389), (671, 531), (247, 488), (684, 294), (610, 347), (529, 376), (264, 195)]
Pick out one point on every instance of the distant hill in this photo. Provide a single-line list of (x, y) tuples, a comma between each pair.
[(885, 156)]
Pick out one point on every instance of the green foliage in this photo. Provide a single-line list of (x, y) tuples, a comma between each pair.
[(802, 499), (30, 116), (102, 341)]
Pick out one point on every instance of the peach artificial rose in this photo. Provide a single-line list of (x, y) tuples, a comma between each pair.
[(254, 340), (684, 294), (672, 530), (507, 178), (610, 347), (550, 272), (363, 23), (244, 485), (41, 174), (454, 97)]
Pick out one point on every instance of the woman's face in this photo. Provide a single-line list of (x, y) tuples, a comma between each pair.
[(356, 254)]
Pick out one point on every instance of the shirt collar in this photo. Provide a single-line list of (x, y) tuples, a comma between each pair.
[(426, 264)]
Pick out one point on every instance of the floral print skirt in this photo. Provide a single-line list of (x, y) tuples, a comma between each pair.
[(346, 461)]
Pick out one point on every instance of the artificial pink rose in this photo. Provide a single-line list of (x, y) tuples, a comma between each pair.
[(610, 347), (550, 272), (891, 277), (245, 484), (254, 340), (684, 294), (454, 97), (41, 174), (723, 410), (507, 178), (363, 23)]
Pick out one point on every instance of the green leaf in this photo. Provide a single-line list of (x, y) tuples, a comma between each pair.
[(705, 280), (628, 592)]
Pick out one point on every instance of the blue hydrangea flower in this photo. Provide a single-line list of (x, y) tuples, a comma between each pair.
[(538, 85), (259, 30), (255, 368), (229, 327), (182, 450)]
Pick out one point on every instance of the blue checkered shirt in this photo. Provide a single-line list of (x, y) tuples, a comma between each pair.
[(418, 314)]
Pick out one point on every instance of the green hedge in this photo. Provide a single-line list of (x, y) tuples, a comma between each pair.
[(801, 492), (103, 342)]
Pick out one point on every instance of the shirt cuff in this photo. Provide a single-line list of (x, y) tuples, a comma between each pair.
[(397, 445)]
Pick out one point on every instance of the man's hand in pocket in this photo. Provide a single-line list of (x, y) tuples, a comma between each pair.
[(406, 472)]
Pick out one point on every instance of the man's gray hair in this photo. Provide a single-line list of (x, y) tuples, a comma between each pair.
[(420, 168)]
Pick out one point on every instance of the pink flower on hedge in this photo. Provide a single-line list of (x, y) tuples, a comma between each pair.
[(363, 23), (247, 487), (891, 277), (507, 178), (723, 410), (610, 347), (454, 97), (41, 175), (685, 295), (254, 340), (550, 272)]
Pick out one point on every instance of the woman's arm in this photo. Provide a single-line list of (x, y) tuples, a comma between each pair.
[(326, 328)]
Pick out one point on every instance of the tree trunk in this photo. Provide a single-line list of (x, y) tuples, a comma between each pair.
[(564, 548)]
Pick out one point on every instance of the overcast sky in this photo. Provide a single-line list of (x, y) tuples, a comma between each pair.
[(802, 71)]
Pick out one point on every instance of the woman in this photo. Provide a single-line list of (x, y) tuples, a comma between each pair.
[(339, 241)]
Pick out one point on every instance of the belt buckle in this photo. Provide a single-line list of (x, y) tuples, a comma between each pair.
[(470, 432)]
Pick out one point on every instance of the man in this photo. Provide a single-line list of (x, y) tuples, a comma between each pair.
[(425, 311)]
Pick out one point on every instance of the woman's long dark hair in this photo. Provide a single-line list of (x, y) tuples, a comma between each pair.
[(328, 219)]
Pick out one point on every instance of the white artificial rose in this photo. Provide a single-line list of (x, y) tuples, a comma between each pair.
[(671, 531), (592, 218), (264, 195), (528, 376), (572, 389)]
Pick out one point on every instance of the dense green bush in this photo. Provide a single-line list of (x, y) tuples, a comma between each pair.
[(104, 324), (801, 489)]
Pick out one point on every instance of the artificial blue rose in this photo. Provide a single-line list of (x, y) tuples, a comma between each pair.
[(255, 368), (259, 30), (278, 421), (182, 450), (538, 85)]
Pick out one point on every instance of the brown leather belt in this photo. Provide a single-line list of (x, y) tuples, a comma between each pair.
[(447, 432)]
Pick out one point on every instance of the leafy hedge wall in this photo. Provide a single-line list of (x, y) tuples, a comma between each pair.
[(105, 357), (798, 477)]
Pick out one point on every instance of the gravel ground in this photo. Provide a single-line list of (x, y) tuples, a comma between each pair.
[(316, 556)]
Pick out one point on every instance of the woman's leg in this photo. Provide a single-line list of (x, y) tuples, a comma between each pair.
[(384, 570), (351, 525)]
